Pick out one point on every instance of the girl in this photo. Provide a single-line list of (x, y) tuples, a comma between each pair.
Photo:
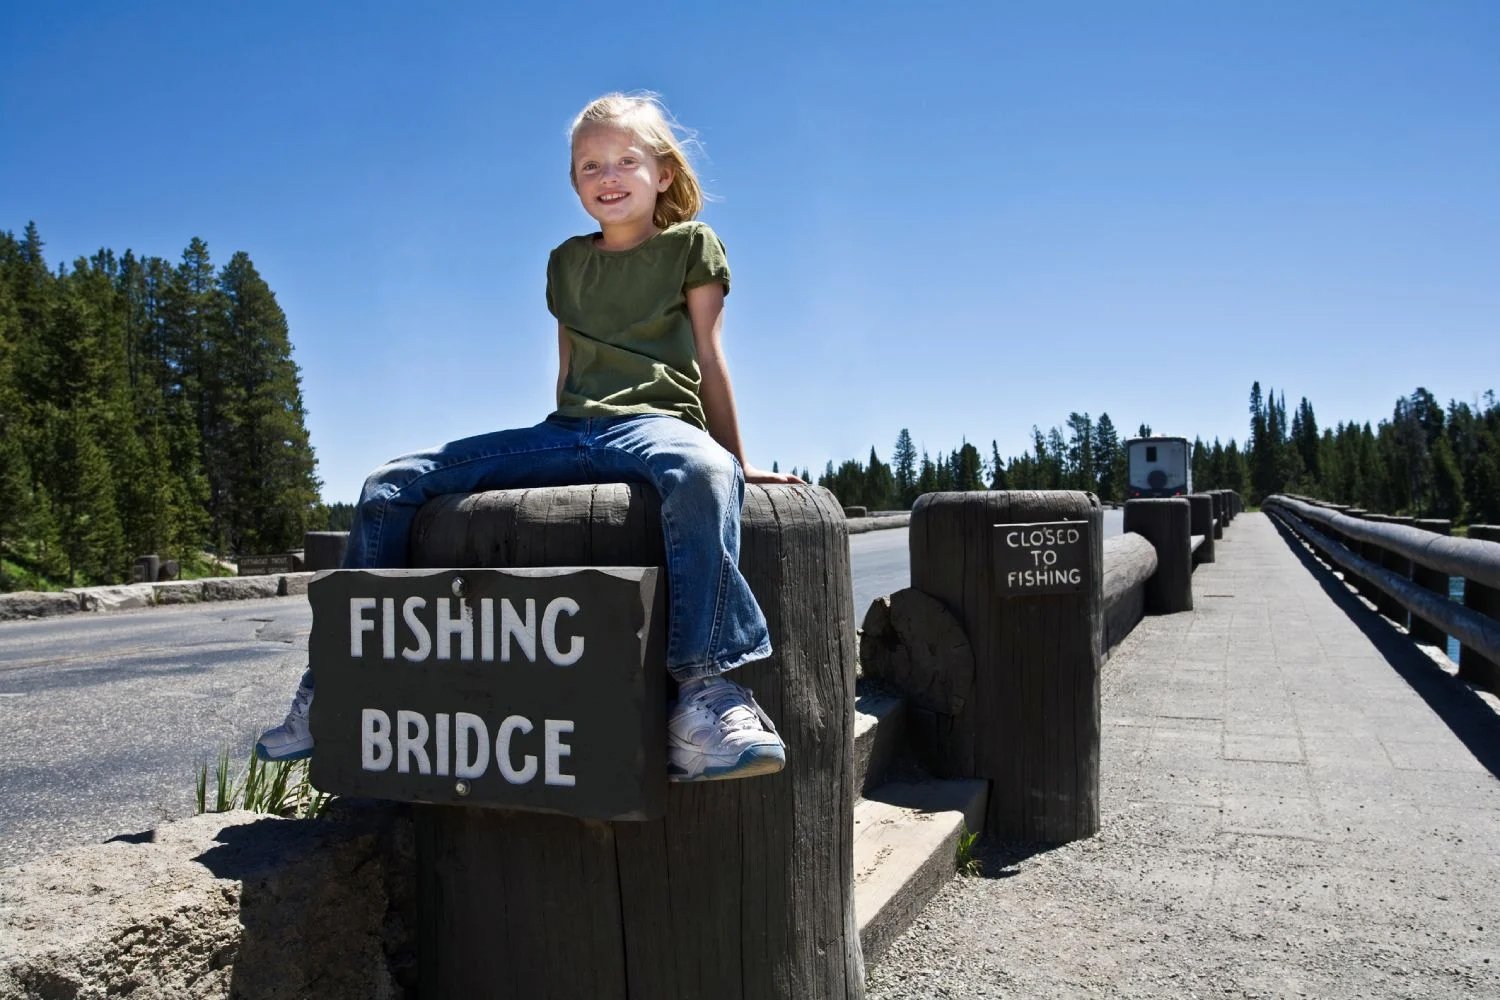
[(643, 395)]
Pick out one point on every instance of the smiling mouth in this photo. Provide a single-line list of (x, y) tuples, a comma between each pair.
[(610, 199)]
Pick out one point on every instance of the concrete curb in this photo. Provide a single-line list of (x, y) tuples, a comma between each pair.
[(34, 604), (28, 604)]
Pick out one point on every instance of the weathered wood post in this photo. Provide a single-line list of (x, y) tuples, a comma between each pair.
[(1167, 525), (1473, 667), (323, 549), (1029, 719), (1357, 547), (145, 569), (1220, 505), (1433, 581), (1388, 559), (1202, 523), (743, 889)]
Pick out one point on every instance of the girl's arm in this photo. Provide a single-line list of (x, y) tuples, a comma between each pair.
[(706, 310), (564, 352)]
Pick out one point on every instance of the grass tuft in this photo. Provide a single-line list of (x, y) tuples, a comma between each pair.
[(967, 863), (277, 788)]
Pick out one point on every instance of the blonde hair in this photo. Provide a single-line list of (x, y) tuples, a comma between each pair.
[(644, 116)]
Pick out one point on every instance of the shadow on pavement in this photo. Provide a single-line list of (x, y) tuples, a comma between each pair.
[(1470, 718)]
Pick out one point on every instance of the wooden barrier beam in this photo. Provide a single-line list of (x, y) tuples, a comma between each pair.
[(1167, 525)]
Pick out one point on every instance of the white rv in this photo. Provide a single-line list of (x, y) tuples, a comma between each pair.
[(1159, 467)]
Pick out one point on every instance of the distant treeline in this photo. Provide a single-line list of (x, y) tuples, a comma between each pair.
[(145, 407), (1425, 460), (1087, 454)]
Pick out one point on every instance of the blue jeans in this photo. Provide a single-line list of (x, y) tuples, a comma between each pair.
[(714, 622)]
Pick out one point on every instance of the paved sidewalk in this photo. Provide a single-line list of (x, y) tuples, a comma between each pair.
[(1296, 802)]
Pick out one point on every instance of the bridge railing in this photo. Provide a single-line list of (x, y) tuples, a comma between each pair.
[(1403, 566)]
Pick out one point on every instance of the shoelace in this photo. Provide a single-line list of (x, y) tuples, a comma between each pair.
[(300, 702), (724, 702)]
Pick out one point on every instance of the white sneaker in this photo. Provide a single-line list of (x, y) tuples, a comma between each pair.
[(292, 740), (718, 731)]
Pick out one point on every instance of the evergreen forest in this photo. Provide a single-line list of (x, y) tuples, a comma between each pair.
[(145, 407), (1427, 460)]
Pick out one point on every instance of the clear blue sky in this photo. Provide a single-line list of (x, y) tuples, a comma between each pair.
[(960, 219)]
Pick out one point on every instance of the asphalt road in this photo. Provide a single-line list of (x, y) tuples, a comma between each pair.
[(105, 718)]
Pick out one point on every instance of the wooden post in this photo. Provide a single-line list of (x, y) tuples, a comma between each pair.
[(1166, 524), (1357, 547), (743, 889), (145, 569), (1473, 667), (1220, 505), (1202, 522), (324, 549), (1432, 580), (1381, 556), (1030, 721)]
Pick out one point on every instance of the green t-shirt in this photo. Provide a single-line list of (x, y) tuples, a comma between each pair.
[(625, 315)]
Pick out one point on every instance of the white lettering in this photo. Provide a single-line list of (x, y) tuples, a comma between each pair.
[(374, 740), (523, 631), (419, 652), (388, 627), (442, 744), (359, 624), (448, 626), (470, 727), (487, 629), (527, 770), (411, 742), (549, 633), (555, 730)]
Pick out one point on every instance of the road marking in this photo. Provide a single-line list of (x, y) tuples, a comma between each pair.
[(13, 694)]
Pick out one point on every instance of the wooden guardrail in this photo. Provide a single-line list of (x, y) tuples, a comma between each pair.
[(1404, 569)]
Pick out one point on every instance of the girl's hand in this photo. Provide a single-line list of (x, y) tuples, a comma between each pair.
[(754, 475)]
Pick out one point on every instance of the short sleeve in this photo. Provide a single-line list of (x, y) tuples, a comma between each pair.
[(707, 261), (551, 264)]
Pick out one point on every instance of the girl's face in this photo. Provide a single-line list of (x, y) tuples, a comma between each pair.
[(617, 179)]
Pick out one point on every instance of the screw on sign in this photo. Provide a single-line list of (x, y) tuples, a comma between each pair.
[(1033, 560)]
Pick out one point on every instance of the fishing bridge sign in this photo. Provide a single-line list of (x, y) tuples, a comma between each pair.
[(537, 689)]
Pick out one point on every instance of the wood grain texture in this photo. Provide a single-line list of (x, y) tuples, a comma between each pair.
[(1392, 561), (744, 889), (1032, 724), (1431, 580), (1129, 561), (1209, 514), (1167, 525), (913, 643), (1474, 666)]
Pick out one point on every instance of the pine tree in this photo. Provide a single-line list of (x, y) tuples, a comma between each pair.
[(966, 465), (1108, 459), (268, 488), (998, 478), (879, 484), (1079, 474), (927, 480), (904, 466), (1447, 483)]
